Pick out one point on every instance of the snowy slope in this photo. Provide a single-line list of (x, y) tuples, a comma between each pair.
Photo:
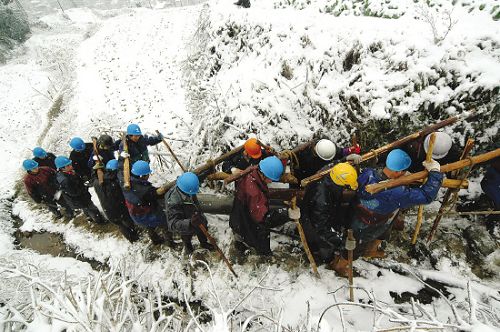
[(212, 75)]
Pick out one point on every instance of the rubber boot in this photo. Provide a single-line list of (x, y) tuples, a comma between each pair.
[(245, 3), (129, 233), (340, 266), (169, 239), (238, 3), (372, 250), (188, 246), (154, 237)]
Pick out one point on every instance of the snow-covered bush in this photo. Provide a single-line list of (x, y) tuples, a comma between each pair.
[(14, 26)]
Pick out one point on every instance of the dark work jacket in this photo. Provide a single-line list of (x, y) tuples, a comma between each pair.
[(111, 197), (250, 216), (179, 209), (401, 197), (47, 161), (310, 163), (41, 186), (416, 151), (80, 161), (239, 161), (73, 190), (139, 150), (491, 185), (142, 203), (106, 155), (325, 210)]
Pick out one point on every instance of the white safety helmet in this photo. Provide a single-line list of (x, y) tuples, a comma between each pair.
[(442, 145), (325, 149)]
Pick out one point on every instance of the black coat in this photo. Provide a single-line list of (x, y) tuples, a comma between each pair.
[(111, 196), (325, 211), (80, 161), (47, 161), (75, 193), (240, 161), (310, 163), (417, 154)]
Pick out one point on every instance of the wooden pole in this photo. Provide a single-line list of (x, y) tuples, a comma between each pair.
[(450, 192), (172, 152), (126, 164), (408, 179), (420, 215), (99, 171), (350, 245), (304, 241), (396, 144)]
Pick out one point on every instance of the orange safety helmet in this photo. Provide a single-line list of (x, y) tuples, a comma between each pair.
[(252, 148)]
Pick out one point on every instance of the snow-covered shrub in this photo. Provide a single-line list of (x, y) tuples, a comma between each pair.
[(14, 27)]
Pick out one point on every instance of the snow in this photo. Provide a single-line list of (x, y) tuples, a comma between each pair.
[(129, 65)]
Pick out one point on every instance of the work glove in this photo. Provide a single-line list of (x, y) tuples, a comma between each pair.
[(294, 213), (196, 220), (57, 195), (160, 136), (96, 158), (124, 155), (356, 149), (235, 170), (432, 166), (356, 159)]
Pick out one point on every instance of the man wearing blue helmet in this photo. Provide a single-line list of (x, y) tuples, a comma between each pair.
[(74, 191), (138, 144), (251, 217), (142, 201), (110, 196), (80, 156), (182, 215), (374, 214), (44, 158)]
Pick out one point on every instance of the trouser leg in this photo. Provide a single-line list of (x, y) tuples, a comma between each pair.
[(93, 213)]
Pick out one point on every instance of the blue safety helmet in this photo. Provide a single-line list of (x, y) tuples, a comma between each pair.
[(141, 168), (272, 168), (77, 144), (188, 183), (38, 152), (29, 165), (62, 161), (398, 160), (112, 165), (134, 129)]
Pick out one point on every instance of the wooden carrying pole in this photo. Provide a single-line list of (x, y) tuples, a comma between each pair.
[(420, 215), (126, 164), (408, 179), (171, 152), (404, 140), (99, 171), (450, 192), (304, 241), (350, 245)]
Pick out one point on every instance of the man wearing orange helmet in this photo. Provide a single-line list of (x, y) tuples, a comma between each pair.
[(252, 154)]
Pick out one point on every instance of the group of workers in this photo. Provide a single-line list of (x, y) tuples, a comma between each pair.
[(329, 206)]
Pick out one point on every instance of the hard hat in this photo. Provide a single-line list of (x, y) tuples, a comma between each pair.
[(134, 129), (252, 148), (39, 152), (29, 165), (141, 168), (77, 144), (325, 149), (112, 165), (272, 168), (442, 144), (343, 174), (398, 160), (105, 141), (62, 161), (188, 183)]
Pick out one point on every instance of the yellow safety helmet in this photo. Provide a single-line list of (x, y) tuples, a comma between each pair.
[(343, 174)]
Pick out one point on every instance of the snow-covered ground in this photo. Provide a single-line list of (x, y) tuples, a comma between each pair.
[(210, 75)]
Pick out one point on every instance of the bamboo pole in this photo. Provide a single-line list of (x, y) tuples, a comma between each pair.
[(350, 246), (420, 216), (304, 241), (408, 179), (395, 144), (99, 171)]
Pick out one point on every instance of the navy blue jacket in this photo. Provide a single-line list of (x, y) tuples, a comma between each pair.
[(491, 185), (388, 201), (142, 203), (139, 150)]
